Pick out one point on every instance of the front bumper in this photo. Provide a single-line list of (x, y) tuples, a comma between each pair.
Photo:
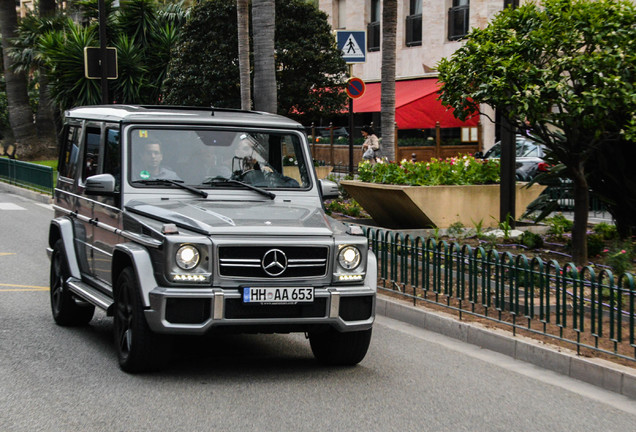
[(198, 311)]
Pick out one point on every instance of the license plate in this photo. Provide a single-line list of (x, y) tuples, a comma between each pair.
[(289, 295)]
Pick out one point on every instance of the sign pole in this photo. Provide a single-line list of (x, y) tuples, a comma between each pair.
[(102, 50), (350, 127)]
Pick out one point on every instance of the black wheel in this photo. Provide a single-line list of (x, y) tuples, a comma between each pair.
[(66, 310), (138, 348), (336, 348)]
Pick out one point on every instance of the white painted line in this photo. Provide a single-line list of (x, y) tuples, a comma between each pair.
[(46, 206), (10, 206)]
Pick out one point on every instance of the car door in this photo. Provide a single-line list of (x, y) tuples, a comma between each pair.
[(107, 215), (89, 165)]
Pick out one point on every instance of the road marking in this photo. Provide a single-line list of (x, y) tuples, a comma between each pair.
[(15, 287), (6, 253), (10, 206), (46, 206)]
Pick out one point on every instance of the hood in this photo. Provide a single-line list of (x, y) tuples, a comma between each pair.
[(245, 217)]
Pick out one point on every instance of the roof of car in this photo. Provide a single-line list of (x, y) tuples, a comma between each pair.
[(162, 114)]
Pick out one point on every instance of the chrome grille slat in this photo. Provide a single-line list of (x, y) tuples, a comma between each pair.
[(247, 261)]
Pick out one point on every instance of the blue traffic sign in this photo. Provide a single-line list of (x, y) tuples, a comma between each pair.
[(353, 45)]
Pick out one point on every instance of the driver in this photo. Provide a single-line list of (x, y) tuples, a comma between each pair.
[(151, 158)]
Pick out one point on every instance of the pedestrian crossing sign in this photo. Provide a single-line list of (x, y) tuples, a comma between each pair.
[(353, 45)]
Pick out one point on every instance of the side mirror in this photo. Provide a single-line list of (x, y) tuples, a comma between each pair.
[(329, 189), (100, 184), (478, 155)]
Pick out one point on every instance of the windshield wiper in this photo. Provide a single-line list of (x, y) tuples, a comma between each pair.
[(178, 183), (220, 180)]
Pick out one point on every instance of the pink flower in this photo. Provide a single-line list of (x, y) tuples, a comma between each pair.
[(623, 251)]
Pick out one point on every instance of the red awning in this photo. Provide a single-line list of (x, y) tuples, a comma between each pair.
[(416, 105)]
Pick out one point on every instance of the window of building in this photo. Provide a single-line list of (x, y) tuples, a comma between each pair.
[(414, 23), (458, 19), (373, 28), (340, 14)]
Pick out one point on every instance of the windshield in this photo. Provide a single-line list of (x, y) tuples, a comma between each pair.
[(204, 158)]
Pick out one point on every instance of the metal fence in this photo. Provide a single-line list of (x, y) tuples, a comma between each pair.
[(27, 175), (589, 310)]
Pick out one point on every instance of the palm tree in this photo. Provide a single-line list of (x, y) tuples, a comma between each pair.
[(263, 25), (243, 20), (45, 117), (20, 114), (387, 98)]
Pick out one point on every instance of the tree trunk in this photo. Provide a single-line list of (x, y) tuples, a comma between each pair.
[(581, 209), (387, 99), (44, 120), (263, 25), (20, 114), (243, 20)]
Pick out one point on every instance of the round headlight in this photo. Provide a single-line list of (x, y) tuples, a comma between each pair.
[(349, 257), (187, 257)]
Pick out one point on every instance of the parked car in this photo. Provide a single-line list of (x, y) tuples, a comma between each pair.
[(181, 221), (529, 157), (323, 134)]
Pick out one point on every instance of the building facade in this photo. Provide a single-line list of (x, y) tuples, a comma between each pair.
[(427, 31)]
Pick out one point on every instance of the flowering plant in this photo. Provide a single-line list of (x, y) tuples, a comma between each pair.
[(460, 170)]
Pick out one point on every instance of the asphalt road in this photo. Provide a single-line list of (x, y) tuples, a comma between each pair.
[(67, 379)]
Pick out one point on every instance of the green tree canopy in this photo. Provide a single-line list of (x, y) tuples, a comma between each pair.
[(310, 70), (142, 31), (564, 71)]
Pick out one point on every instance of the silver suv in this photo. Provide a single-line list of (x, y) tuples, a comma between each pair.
[(178, 220)]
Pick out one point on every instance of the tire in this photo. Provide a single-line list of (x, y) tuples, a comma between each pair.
[(341, 349), (138, 348), (65, 309)]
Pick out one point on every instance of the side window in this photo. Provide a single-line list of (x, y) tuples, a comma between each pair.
[(112, 155), (373, 28), (70, 153), (414, 24), (458, 16), (91, 152)]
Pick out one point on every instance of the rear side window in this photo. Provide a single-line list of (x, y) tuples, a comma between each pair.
[(70, 153), (112, 158), (91, 154)]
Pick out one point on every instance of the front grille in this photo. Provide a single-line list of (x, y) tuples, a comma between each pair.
[(236, 309), (254, 261)]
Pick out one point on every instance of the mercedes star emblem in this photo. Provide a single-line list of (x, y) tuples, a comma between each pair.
[(274, 262)]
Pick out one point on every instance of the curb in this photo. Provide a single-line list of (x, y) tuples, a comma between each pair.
[(601, 373), (36, 196)]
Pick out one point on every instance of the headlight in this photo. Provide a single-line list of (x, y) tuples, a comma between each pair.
[(349, 257), (187, 257)]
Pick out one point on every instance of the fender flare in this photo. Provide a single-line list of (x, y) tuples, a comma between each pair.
[(136, 256), (62, 228)]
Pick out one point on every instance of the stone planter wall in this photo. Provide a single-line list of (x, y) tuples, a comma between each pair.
[(397, 206)]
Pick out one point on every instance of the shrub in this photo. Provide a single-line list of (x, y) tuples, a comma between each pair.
[(595, 245), (607, 231), (559, 225), (461, 170), (531, 240)]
